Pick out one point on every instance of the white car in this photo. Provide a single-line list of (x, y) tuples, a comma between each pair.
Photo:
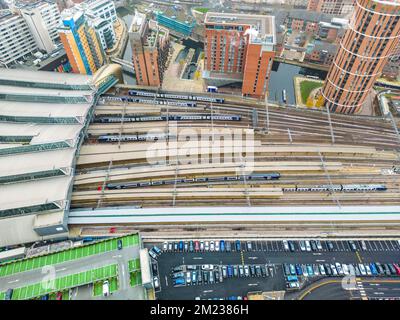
[(302, 246), (285, 245), (319, 245), (201, 245), (368, 270), (152, 254), (334, 271), (156, 282), (212, 246), (206, 246), (308, 246), (346, 270), (207, 267), (165, 246), (339, 268), (362, 269), (363, 245), (217, 245), (322, 270)]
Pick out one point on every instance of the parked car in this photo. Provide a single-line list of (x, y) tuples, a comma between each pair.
[(238, 245), (313, 245), (217, 245), (206, 246), (170, 246), (156, 282), (228, 246), (156, 250), (119, 244), (212, 246), (330, 246), (362, 269), (291, 246), (222, 245), (285, 245), (308, 246), (319, 245), (322, 270), (196, 246), (181, 245), (191, 247), (165, 246), (249, 246), (178, 282), (152, 254), (201, 245), (224, 272), (188, 278), (246, 271), (235, 271), (352, 245), (302, 246)]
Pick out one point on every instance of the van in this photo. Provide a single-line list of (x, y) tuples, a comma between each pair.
[(106, 288), (9, 294)]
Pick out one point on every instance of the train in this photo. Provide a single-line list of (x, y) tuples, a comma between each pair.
[(337, 188), (256, 176), (215, 117), (132, 137), (151, 101), (175, 96)]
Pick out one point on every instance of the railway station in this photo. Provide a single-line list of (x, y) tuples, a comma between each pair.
[(123, 150)]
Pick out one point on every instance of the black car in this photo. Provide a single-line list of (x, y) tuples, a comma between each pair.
[(379, 268), (9, 294), (291, 246), (258, 271), (205, 276), (328, 269), (387, 269), (263, 271), (154, 268), (286, 269), (119, 244), (313, 245), (235, 271)]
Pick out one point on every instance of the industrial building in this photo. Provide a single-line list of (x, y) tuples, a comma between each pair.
[(239, 48), (370, 40)]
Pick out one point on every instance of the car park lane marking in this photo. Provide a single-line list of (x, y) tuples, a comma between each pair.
[(358, 257)]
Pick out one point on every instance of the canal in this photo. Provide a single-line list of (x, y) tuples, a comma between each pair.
[(281, 74)]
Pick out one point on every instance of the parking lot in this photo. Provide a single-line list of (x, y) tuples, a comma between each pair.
[(269, 255)]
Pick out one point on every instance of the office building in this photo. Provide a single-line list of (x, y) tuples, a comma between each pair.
[(335, 7), (16, 40), (150, 48), (81, 42), (370, 40), (43, 19), (239, 48)]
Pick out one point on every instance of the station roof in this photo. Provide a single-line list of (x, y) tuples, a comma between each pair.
[(41, 123), (48, 77)]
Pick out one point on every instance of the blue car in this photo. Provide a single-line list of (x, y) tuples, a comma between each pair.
[(298, 270), (230, 271), (222, 245), (373, 268), (237, 244), (310, 270), (179, 282), (180, 245)]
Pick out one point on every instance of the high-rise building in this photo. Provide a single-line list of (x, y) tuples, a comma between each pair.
[(102, 17), (81, 42), (150, 48), (370, 40), (335, 7), (102, 8), (16, 40), (43, 19), (239, 48)]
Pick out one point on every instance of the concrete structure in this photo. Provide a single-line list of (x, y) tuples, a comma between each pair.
[(336, 7), (239, 48), (81, 42), (44, 116), (42, 18), (374, 32), (16, 40), (150, 48)]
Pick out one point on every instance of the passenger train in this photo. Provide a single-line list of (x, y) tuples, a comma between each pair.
[(337, 188), (255, 176), (132, 137), (165, 118), (175, 96), (151, 101)]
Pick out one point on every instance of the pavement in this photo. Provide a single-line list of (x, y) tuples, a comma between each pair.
[(120, 257), (272, 252)]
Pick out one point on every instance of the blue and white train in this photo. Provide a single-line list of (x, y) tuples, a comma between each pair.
[(215, 117), (151, 101), (132, 137), (337, 188), (255, 176), (175, 96)]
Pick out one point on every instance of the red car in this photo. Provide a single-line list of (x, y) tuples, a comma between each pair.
[(59, 296), (396, 266), (196, 246)]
